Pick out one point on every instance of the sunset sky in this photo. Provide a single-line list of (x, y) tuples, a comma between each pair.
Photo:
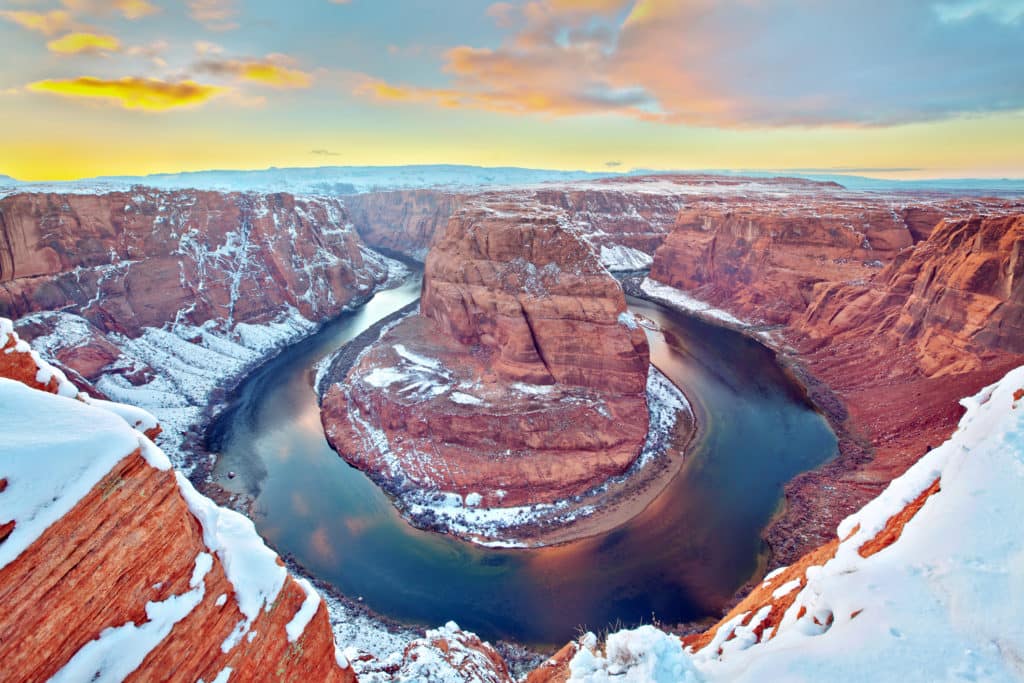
[(895, 88)]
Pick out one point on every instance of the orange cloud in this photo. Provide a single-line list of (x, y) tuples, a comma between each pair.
[(48, 23), (78, 43), (274, 70), (146, 94), (129, 9)]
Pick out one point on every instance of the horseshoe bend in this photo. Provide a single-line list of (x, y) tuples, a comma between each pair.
[(319, 363)]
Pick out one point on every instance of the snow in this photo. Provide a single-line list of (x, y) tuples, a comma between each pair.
[(118, 651), (785, 589), (53, 450), (297, 625), (326, 180), (941, 603), (139, 419), (465, 399), (617, 257), (680, 299), (249, 564), (642, 655)]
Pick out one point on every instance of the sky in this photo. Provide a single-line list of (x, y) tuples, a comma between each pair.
[(908, 88)]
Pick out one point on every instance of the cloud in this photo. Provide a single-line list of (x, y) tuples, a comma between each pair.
[(324, 152), (147, 94), (274, 70), (216, 15), (88, 43), (613, 164), (1003, 11), (129, 9), (737, 63), (48, 23), (205, 47)]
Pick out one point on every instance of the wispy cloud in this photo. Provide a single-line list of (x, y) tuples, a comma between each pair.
[(324, 152), (216, 15), (146, 94), (129, 9), (1003, 11), (273, 70), (736, 63), (48, 23), (87, 43)]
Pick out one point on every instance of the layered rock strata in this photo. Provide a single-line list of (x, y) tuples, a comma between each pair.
[(521, 381), (887, 347), (156, 298)]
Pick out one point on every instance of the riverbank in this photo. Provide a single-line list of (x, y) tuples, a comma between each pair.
[(794, 530), (600, 510)]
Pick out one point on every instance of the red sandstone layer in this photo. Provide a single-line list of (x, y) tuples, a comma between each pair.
[(523, 380)]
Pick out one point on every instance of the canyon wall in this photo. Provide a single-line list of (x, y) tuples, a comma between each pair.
[(521, 381), (158, 298), (887, 345), (126, 261), (627, 224)]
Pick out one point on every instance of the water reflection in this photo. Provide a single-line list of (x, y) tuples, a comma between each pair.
[(680, 559)]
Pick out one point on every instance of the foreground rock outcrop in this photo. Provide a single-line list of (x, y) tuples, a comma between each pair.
[(113, 566), (521, 381), (915, 586)]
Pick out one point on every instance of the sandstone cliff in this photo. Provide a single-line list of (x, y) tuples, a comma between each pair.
[(113, 566), (914, 586), (887, 345), (157, 298), (522, 381)]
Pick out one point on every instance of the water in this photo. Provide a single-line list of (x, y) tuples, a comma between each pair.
[(680, 559)]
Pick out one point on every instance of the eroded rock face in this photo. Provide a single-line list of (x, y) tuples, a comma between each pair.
[(126, 552), (897, 342), (405, 221), (126, 261), (523, 380), (535, 296), (958, 297)]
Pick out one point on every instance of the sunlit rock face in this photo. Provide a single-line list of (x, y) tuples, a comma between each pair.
[(897, 318), (522, 380), (126, 261), (113, 567)]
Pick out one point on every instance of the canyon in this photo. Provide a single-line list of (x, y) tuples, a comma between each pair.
[(889, 307)]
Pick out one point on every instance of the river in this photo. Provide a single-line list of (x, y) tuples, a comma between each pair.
[(680, 559)]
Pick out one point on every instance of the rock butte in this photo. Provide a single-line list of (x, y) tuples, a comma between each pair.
[(521, 380)]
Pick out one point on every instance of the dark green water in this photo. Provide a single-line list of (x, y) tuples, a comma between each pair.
[(678, 560)]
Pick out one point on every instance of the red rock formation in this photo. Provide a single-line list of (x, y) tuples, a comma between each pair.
[(534, 295), (129, 543), (898, 345), (125, 261), (405, 221), (523, 380)]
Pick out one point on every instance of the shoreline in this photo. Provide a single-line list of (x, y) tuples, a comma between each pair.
[(623, 498)]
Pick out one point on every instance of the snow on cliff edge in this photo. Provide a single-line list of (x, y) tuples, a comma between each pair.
[(942, 602)]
